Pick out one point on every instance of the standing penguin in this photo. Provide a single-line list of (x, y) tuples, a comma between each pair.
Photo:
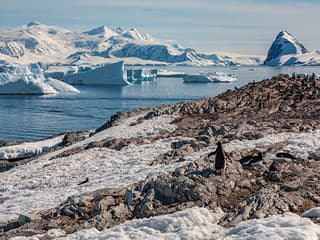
[(220, 161)]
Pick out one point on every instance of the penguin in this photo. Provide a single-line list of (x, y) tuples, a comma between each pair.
[(220, 161)]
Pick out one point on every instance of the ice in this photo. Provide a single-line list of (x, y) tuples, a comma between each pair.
[(209, 78), (29, 149), (61, 87), (30, 79), (289, 226), (139, 75), (108, 74), (167, 73)]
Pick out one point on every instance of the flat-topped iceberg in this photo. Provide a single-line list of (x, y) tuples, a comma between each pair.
[(167, 73), (108, 74), (209, 78), (29, 80)]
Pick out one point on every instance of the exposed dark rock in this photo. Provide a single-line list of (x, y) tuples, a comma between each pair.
[(8, 143), (73, 137), (150, 115), (285, 155)]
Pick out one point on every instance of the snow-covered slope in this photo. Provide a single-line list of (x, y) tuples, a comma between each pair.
[(287, 51), (38, 42)]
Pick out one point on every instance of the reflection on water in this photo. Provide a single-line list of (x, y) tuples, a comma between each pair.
[(34, 117)]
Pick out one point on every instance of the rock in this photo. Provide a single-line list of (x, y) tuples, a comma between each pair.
[(73, 137), (209, 130), (150, 115), (285, 155), (205, 138), (23, 219), (179, 144), (315, 156), (5, 166)]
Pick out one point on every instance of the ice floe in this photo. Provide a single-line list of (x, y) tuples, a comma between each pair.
[(209, 77)]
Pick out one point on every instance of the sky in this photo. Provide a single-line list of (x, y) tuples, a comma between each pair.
[(239, 26)]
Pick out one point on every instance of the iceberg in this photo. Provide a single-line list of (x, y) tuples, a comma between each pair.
[(209, 78), (167, 73), (140, 75), (29, 80), (108, 74)]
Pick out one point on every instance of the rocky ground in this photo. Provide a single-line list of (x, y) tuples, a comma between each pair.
[(266, 173)]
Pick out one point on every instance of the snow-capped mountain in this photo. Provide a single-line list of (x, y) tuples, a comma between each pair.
[(287, 51), (50, 44)]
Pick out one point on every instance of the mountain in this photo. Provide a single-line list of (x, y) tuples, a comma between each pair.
[(287, 51), (36, 42)]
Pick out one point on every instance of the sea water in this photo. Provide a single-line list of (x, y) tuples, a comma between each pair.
[(36, 117)]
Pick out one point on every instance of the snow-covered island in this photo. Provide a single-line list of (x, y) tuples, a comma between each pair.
[(150, 173)]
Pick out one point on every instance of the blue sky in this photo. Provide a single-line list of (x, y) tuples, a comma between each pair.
[(241, 26)]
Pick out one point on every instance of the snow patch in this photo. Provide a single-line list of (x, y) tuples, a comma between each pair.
[(44, 184), (194, 223), (29, 149), (289, 226)]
